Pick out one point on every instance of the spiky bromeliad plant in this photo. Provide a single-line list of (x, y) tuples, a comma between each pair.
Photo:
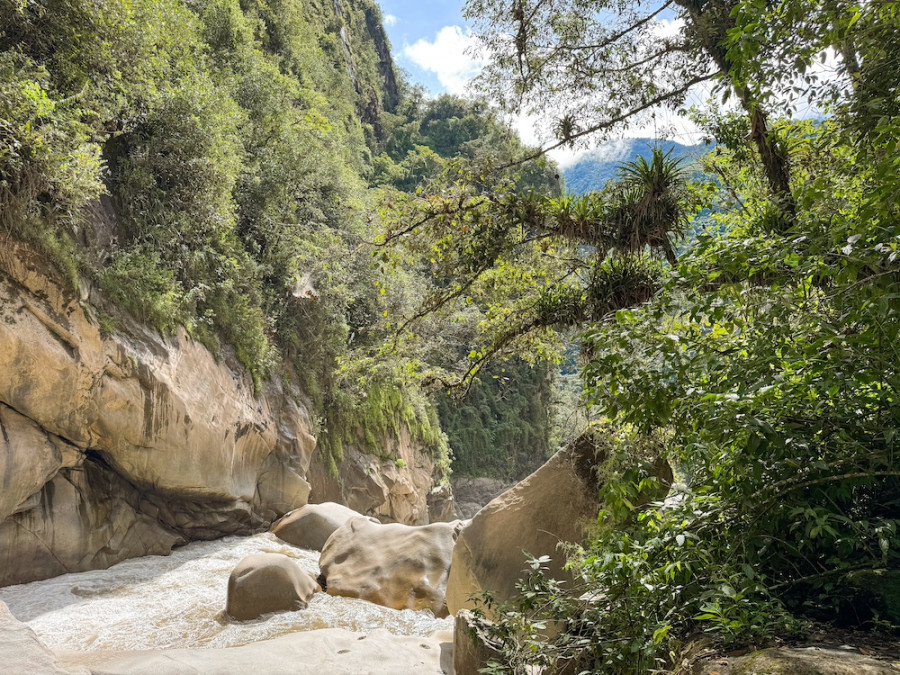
[(531, 264)]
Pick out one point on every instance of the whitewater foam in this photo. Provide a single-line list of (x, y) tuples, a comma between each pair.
[(164, 602)]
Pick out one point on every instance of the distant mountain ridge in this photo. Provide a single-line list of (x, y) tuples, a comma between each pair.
[(593, 170)]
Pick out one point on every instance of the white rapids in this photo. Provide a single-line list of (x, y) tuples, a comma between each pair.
[(174, 601)]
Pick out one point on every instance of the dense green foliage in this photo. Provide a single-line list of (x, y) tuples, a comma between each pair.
[(235, 142), (518, 265), (422, 134), (765, 361), (245, 147), (198, 116), (502, 427)]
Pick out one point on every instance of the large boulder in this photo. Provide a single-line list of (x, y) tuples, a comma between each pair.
[(310, 526), (399, 566), (267, 582), (554, 504)]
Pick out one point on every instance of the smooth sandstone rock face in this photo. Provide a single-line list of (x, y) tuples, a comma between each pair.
[(98, 425), (121, 445), (267, 582), (29, 459), (394, 565), (310, 526), (392, 490), (330, 651), (552, 505), (22, 652), (84, 518)]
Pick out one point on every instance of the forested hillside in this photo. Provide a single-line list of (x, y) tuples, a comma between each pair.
[(220, 166)]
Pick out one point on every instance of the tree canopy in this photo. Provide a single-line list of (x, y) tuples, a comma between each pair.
[(762, 359)]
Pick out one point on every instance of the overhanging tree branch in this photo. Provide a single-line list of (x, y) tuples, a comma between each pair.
[(613, 121)]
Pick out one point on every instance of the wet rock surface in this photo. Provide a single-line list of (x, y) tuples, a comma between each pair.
[(84, 518)]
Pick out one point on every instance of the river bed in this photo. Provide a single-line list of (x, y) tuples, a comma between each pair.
[(174, 601)]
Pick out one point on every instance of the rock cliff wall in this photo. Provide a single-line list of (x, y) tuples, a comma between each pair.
[(392, 490), (125, 444)]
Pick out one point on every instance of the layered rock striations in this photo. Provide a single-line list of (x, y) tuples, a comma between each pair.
[(126, 444), (394, 489), (129, 443)]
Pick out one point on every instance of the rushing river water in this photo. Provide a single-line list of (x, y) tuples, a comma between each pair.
[(178, 601)]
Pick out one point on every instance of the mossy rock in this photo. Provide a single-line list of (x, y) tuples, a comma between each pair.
[(802, 661)]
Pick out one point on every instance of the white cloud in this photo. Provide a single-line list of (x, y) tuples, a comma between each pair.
[(532, 131), (448, 57), (611, 151), (667, 28), (389, 20)]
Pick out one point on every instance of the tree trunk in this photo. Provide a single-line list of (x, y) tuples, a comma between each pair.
[(712, 20)]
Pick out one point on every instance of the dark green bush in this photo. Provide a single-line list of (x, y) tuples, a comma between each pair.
[(138, 281)]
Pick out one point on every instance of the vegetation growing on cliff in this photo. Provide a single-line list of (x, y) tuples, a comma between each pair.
[(234, 142), (502, 427), (244, 148)]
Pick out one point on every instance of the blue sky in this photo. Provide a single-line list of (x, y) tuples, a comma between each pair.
[(429, 41), (409, 22)]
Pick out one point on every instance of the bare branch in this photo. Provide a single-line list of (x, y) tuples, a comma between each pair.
[(608, 42), (606, 124), (430, 216)]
